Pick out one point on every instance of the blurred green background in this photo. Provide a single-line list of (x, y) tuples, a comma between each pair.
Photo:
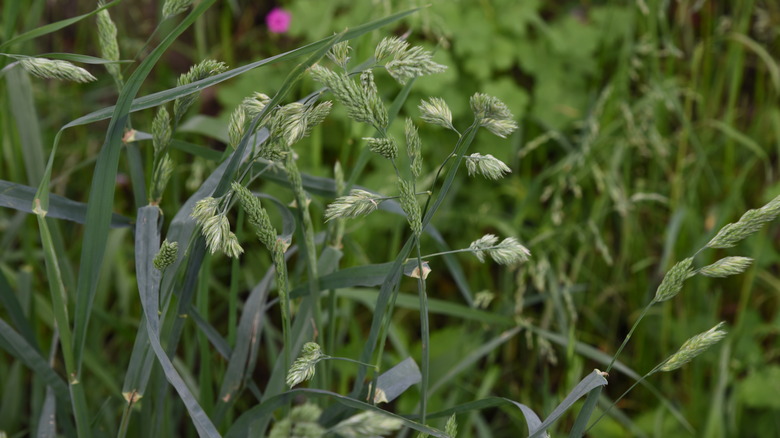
[(645, 127)]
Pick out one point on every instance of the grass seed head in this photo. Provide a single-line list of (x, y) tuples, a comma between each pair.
[(673, 280), (162, 174), (413, 147), (216, 231), (255, 104), (479, 246), (204, 209), (367, 424), (749, 223), (166, 255), (197, 72), (236, 126), (256, 215), (357, 203), (339, 54), (694, 347), (413, 63), (509, 252), (493, 114), (410, 206), (487, 165), (175, 7), (726, 266), (55, 69), (301, 423), (436, 112), (385, 147), (361, 105), (305, 366), (451, 427), (161, 130), (390, 46), (109, 48)]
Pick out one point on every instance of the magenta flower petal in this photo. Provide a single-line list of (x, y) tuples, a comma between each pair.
[(278, 20)]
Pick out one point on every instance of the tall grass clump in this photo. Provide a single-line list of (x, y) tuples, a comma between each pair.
[(228, 276)]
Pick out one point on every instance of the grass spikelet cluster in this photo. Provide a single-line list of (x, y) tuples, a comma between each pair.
[(56, 69), (693, 347)]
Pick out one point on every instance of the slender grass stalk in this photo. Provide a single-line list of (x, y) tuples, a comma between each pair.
[(628, 336), (425, 334), (302, 202), (60, 309)]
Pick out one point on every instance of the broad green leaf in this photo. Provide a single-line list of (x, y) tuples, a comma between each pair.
[(398, 379), (593, 380), (20, 197), (147, 244)]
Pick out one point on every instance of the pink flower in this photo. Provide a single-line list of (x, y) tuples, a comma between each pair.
[(278, 20)]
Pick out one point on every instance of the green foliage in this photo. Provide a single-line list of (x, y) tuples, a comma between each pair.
[(634, 136)]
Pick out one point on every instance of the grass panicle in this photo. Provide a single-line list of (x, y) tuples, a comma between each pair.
[(487, 165), (386, 147), (436, 112), (55, 69), (175, 7), (339, 54), (693, 347), (109, 46), (358, 203), (413, 147), (368, 423), (197, 72), (300, 423), (304, 367), (726, 267), (410, 206), (672, 283), (749, 223), (167, 255)]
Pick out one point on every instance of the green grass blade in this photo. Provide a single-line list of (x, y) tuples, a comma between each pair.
[(53, 27), (101, 195), (146, 246), (250, 326), (18, 347), (47, 421), (196, 150), (84, 59), (398, 379), (14, 309), (20, 99), (532, 420), (473, 357), (591, 381), (437, 306), (763, 54), (581, 423), (156, 99), (241, 426), (20, 197), (59, 304), (603, 358)]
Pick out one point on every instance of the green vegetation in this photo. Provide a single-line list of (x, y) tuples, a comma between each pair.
[(389, 220)]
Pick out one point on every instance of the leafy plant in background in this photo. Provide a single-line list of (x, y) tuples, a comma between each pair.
[(261, 133)]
